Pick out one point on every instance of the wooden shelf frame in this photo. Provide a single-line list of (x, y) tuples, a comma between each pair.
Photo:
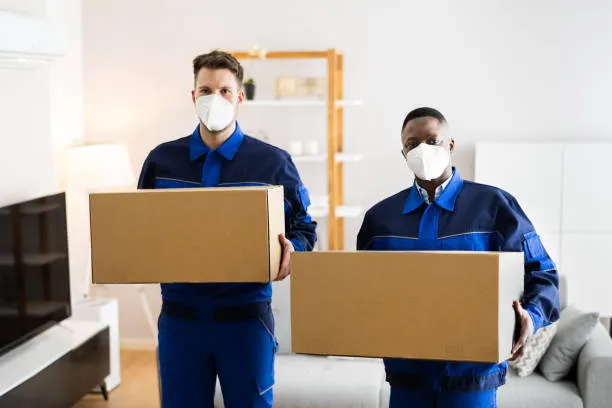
[(335, 131)]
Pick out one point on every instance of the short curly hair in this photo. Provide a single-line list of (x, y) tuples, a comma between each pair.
[(423, 112)]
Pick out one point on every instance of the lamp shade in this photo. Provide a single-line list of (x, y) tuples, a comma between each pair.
[(98, 167)]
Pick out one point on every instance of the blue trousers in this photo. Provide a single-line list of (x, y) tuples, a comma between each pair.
[(194, 352), (406, 398)]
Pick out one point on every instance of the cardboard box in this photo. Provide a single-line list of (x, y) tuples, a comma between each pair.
[(452, 306), (187, 235)]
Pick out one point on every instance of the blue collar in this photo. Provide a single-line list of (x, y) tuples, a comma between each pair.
[(197, 148), (446, 200)]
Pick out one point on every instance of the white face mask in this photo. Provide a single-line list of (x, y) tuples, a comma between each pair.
[(215, 112), (428, 162)]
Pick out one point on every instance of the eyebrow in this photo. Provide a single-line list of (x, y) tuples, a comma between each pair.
[(428, 136), (208, 87)]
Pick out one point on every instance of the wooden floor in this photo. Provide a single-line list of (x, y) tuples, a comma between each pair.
[(138, 388)]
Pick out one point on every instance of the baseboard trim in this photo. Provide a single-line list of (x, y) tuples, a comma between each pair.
[(138, 344)]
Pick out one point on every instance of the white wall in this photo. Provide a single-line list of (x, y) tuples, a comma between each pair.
[(67, 128), (41, 112), (497, 69), (31, 7)]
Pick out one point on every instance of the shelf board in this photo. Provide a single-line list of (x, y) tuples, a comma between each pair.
[(32, 259), (342, 211), (34, 209), (348, 211), (340, 158), (285, 54), (348, 157), (35, 308), (299, 102), (309, 158), (318, 211)]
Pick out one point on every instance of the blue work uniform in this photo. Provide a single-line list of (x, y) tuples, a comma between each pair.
[(223, 329), (466, 216)]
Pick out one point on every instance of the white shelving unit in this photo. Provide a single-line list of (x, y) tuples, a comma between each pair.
[(320, 208), (334, 209), (340, 158), (348, 157), (314, 158), (342, 211)]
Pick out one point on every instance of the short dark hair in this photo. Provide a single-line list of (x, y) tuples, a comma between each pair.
[(423, 112), (218, 60)]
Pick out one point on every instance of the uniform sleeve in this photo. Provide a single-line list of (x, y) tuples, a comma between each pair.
[(541, 295), (364, 236), (146, 180), (300, 228)]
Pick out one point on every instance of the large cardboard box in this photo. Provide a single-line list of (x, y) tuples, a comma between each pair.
[(187, 235), (452, 306)]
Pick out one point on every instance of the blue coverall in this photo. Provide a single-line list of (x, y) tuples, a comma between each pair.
[(466, 216), (223, 329)]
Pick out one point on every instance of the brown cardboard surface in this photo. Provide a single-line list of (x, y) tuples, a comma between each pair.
[(453, 306), (276, 225), (187, 235)]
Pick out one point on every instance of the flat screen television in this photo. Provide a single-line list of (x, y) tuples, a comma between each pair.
[(34, 271)]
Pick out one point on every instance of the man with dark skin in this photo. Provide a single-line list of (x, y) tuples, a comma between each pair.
[(441, 211)]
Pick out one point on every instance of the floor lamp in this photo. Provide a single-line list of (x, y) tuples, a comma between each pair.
[(96, 168)]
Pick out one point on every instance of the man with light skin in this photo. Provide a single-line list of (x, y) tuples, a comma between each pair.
[(440, 212), (223, 330)]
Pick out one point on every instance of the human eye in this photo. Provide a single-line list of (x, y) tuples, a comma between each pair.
[(411, 144)]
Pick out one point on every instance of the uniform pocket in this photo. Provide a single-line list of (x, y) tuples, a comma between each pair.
[(304, 196), (265, 379), (265, 385), (533, 247), (267, 321)]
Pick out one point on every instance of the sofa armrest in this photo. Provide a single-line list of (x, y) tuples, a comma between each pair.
[(595, 369)]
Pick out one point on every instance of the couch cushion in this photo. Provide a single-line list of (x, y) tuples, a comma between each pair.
[(574, 330), (322, 382), (534, 350), (537, 391)]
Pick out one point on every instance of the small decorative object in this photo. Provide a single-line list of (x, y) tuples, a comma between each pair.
[(249, 89), (311, 147), (258, 52), (301, 87), (296, 148)]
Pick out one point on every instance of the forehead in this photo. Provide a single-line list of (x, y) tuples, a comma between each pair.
[(216, 78), (422, 127)]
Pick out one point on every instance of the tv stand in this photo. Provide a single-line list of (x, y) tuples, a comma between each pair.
[(57, 368)]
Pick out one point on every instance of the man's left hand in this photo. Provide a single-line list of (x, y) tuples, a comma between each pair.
[(285, 267), (526, 325)]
